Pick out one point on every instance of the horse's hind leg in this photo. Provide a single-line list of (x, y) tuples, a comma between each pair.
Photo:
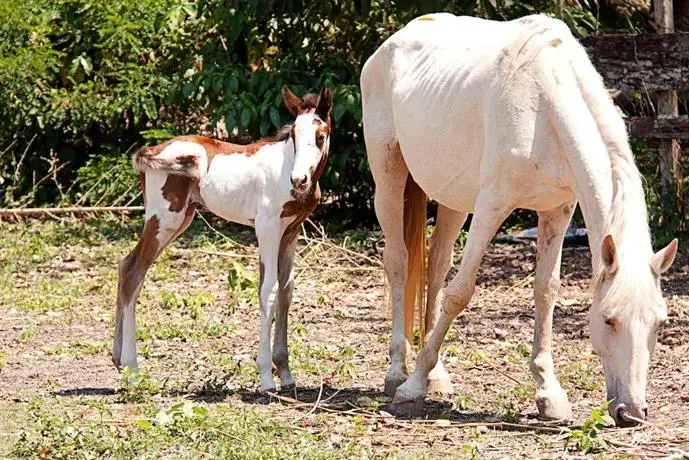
[(167, 215), (447, 227), (491, 210), (551, 399)]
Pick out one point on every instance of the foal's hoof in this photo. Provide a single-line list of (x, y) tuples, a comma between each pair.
[(392, 383), (289, 388), (553, 405), (411, 408)]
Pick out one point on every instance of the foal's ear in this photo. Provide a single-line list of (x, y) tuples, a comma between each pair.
[(292, 101), (608, 254), (661, 260), (325, 102)]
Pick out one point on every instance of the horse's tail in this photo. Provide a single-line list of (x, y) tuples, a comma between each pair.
[(181, 158), (415, 242)]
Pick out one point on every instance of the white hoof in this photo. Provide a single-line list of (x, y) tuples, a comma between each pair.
[(439, 382), (553, 404)]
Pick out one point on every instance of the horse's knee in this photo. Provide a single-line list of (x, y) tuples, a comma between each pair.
[(457, 298)]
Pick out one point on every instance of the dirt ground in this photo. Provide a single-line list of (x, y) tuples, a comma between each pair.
[(198, 333)]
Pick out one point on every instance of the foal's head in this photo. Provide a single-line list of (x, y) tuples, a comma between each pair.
[(311, 136), (627, 312)]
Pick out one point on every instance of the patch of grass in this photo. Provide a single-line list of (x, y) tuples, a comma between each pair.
[(26, 335), (49, 294), (194, 302), (243, 285), (589, 438), (184, 430), (80, 349), (462, 402), (137, 388), (3, 359), (581, 376)]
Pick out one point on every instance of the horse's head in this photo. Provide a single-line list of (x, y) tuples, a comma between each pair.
[(311, 136), (628, 310)]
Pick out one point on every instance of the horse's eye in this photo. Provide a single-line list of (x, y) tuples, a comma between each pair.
[(321, 137), (610, 321)]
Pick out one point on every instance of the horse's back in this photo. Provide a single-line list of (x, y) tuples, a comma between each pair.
[(436, 87)]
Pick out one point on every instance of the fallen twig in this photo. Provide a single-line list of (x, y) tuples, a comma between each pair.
[(67, 210)]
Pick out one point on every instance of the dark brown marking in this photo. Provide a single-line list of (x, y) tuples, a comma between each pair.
[(261, 273), (134, 266), (176, 190)]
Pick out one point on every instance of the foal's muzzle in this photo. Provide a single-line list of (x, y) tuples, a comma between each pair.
[(300, 184)]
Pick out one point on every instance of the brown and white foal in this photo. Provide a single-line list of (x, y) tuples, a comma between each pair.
[(271, 184)]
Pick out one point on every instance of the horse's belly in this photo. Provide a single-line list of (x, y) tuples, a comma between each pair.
[(231, 189)]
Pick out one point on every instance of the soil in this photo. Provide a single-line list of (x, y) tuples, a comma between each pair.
[(339, 316)]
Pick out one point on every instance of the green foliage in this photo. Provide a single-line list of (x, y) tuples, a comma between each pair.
[(83, 83), (242, 284), (185, 430), (590, 437)]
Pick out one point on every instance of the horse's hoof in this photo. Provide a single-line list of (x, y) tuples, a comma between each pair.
[(553, 405), (289, 388), (410, 408), (392, 383), (440, 385), (267, 389)]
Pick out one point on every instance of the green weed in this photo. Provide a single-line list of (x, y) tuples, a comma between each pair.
[(589, 437)]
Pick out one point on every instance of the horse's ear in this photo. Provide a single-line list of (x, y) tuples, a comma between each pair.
[(292, 101), (661, 260), (608, 254), (325, 103)]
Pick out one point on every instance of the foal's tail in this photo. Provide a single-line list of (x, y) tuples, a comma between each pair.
[(415, 241), (170, 160)]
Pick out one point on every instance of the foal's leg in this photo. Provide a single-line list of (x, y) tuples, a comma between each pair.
[(288, 246), (447, 227), (268, 233), (551, 399), (490, 212), (162, 226)]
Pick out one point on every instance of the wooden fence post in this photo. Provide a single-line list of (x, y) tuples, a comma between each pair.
[(670, 172)]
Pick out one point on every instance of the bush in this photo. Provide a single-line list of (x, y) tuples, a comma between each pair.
[(84, 82)]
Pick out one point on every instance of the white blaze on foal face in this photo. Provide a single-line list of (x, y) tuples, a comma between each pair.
[(311, 142), (627, 312), (310, 135)]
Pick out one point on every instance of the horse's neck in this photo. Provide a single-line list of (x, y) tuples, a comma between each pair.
[(625, 218), (277, 161)]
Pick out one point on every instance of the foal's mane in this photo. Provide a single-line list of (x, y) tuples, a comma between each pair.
[(310, 102)]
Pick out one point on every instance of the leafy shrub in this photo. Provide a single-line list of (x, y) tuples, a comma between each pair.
[(84, 82)]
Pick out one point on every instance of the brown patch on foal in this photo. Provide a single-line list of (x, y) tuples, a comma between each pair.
[(261, 272), (176, 190), (134, 266)]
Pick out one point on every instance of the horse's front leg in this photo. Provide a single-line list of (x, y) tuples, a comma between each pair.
[(288, 246), (551, 399), (269, 233)]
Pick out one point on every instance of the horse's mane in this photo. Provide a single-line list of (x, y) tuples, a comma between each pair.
[(309, 102)]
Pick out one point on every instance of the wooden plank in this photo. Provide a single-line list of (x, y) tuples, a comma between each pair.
[(649, 62), (666, 107), (22, 212), (658, 128)]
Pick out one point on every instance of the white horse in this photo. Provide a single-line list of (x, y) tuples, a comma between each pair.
[(491, 116), (271, 184)]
